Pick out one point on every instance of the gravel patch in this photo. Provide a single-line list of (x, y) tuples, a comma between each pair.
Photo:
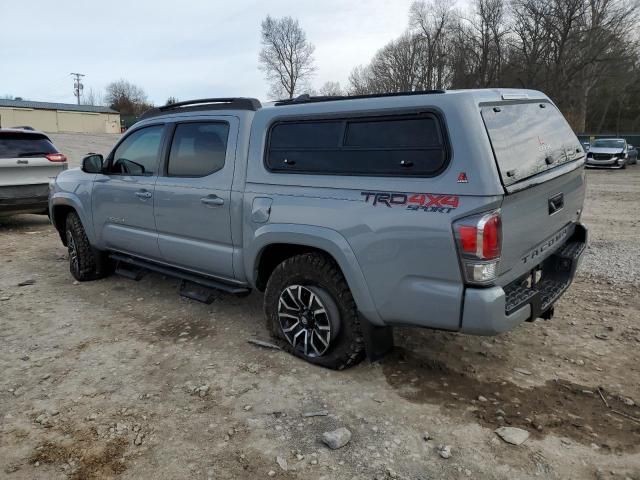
[(616, 261)]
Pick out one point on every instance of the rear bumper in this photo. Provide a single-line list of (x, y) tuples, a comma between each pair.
[(24, 199), (489, 311)]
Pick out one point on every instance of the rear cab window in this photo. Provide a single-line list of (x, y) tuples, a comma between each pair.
[(529, 138), (392, 145), (18, 144)]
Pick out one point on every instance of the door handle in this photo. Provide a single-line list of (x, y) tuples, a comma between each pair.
[(143, 194), (212, 200)]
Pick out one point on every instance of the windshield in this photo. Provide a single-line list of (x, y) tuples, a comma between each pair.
[(608, 143), (529, 138)]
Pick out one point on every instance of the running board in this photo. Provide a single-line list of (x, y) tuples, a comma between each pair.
[(198, 292), (139, 265)]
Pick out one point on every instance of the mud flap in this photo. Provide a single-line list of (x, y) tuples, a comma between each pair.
[(378, 341)]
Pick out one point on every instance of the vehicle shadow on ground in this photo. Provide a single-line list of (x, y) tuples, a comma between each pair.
[(20, 222)]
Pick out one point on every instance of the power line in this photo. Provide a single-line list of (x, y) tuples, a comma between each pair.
[(77, 85)]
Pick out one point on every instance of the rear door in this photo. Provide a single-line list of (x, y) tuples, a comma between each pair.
[(540, 161), (123, 196), (193, 194), (23, 159)]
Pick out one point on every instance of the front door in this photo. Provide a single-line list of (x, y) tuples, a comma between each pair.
[(123, 196), (193, 194)]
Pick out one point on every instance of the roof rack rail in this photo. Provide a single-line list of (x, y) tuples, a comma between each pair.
[(306, 98), (225, 103)]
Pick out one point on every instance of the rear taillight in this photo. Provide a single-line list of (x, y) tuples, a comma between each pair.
[(479, 241), (56, 157)]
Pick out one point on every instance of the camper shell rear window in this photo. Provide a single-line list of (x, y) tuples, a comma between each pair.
[(529, 138)]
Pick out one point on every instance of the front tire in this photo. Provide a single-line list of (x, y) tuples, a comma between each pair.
[(85, 263), (309, 306)]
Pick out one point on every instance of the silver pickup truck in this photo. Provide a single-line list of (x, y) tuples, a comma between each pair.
[(455, 210)]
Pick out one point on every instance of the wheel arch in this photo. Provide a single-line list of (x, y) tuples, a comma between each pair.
[(272, 244), (61, 206)]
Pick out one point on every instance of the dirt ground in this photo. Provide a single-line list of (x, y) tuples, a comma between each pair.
[(123, 379), (76, 145)]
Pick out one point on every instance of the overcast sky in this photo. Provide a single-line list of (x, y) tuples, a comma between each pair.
[(187, 49)]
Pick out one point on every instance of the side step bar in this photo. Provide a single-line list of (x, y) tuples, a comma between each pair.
[(132, 269)]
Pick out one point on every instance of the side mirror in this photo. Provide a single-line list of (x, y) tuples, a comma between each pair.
[(92, 163)]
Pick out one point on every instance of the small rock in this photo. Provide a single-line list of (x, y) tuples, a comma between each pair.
[(337, 438), (512, 435), (282, 463), (139, 437), (27, 282), (299, 457), (602, 336), (426, 436), (247, 408), (444, 451), (272, 473), (627, 401), (482, 399)]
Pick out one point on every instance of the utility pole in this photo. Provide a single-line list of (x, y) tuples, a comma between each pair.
[(77, 85)]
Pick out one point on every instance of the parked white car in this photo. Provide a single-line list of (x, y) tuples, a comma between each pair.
[(28, 162)]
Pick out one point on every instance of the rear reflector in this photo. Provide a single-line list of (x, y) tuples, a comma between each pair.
[(56, 157)]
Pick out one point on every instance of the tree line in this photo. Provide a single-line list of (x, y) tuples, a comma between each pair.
[(582, 53)]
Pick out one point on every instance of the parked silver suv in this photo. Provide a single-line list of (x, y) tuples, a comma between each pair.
[(609, 153), (28, 162), (455, 210)]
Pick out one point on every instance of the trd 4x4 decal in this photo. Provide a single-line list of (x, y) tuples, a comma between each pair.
[(426, 202)]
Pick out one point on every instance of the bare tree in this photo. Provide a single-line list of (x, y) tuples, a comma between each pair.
[(91, 97), (126, 97), (286, 56), (396, 67), (171, 100), (331, 89), (433, 20)]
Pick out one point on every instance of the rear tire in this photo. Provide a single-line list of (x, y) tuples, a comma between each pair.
[(85, 263), (310, 308)]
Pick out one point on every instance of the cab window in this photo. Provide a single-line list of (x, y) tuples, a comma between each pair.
[(138, 153)]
